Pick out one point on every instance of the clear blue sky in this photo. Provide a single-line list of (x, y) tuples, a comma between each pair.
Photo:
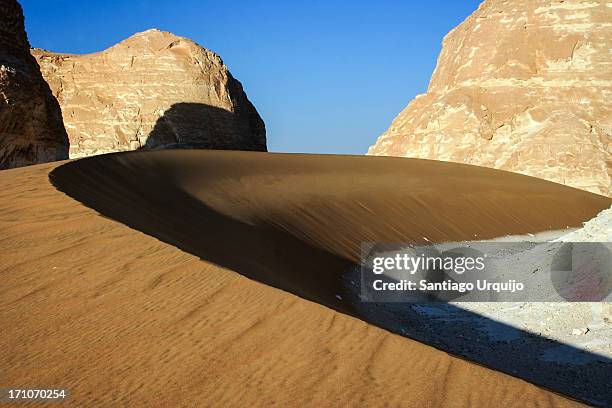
[(326, 76)]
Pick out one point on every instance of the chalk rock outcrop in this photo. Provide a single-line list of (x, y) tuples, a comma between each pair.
[(523, 86), (152, 90), (31, 128)]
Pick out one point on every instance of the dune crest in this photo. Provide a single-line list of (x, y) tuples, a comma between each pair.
[(298, 221)]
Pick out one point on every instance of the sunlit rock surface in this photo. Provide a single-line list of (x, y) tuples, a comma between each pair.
[(523, 86), (152, 90)]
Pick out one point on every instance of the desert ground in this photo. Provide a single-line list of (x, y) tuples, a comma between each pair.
[(210, 278)]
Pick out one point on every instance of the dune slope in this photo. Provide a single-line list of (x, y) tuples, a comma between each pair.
[(122, 318), (297, 221)]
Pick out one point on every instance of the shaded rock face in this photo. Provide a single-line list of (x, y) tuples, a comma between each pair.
[(153, 90), (31, 128), (523, 86)]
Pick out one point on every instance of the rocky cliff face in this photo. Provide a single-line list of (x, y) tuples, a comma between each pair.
[(521, 85), (31, 129), (152, 90)]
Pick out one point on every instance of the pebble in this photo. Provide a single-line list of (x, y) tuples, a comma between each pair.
[(580, 332)]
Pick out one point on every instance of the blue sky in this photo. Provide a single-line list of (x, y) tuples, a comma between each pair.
[(326, 76)]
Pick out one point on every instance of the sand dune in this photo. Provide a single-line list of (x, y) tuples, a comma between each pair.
[(122, 318), (297, 221)]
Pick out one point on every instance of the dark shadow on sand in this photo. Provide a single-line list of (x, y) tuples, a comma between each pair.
[(143, 199)]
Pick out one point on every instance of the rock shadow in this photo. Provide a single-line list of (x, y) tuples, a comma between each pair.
[(200, 126)]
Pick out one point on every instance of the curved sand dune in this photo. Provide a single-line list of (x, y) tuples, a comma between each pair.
[(121, 318), (297, 221)]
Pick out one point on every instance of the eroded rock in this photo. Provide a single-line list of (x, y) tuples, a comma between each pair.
[(523, 86), (31, 128), (152, 90)]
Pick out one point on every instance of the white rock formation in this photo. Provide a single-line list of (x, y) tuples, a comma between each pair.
[(523, 86), (152, 90)]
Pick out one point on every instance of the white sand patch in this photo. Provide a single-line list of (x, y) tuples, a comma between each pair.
[(599, 229)]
